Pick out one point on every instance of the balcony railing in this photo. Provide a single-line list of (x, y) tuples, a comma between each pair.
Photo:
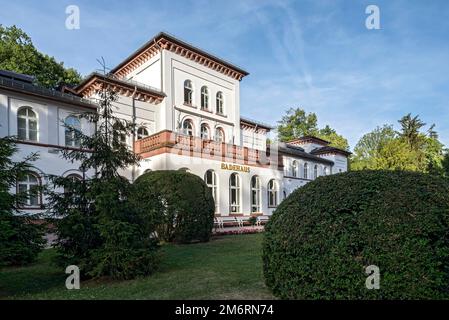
[(197, 147)]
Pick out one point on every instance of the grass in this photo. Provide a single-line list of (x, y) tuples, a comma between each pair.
[(228, 267)]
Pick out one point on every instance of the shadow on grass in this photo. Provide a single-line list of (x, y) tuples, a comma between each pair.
[(227, 267), (38, 277)]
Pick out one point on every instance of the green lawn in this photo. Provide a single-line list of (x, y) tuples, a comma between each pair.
[(228, 267)]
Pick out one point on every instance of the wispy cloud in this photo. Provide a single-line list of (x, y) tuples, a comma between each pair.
[(313, 54)]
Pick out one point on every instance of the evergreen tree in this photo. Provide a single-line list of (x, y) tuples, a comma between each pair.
[(408, 149), (97, 228), (20, 239)]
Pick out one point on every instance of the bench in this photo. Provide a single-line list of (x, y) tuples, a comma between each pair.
[(261, 220), (239, 222), (218, 223)]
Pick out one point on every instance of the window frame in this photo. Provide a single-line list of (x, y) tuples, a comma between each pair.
[(237, 207), (204, 98), (275, 191), (28, 119), (219, 103), (206, 127), (28, 204), (257, 191), (222, 135), (213, 186), (188, 92), (75, 143), (192, 127), (294, 169), (139, 136), (306, 171)]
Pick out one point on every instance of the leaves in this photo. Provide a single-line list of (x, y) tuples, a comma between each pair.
[(20, 239), (296, 123), (322, 237), (18, 54), (98, 229), (408, 149)]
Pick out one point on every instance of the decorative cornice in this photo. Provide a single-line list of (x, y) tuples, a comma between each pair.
[(309, 139), (165, 41), (251, 127), (95, 82)]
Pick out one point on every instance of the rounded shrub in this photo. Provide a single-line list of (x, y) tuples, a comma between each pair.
[(322, 238), (186, 202)]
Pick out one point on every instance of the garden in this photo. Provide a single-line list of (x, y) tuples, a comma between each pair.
[(152, 239)]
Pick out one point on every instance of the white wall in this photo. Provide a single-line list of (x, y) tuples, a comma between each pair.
[(253, 139), (199, 166), (149, 73), (176, 70)]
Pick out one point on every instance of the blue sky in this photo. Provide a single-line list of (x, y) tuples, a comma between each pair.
[(314, 54)]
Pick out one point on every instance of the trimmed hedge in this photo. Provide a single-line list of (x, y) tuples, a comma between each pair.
[(322, 237), (189, 206)]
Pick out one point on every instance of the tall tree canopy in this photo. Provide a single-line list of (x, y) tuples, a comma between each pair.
[(18, 54), (410, 148), (297, 123)]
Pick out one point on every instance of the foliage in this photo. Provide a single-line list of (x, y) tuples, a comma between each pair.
[(187, 204), (18, 54), (322, 237), (297, 123), (20, 239), (252, 220), (97, 228), (408, 149), (445, 165)]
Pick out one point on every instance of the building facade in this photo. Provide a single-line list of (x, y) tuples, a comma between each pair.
[(186, 105)]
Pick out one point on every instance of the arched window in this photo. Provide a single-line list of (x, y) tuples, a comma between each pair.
[(255, 194), (219, 103), (187, 128), (72, 131), (315, 171), (219, 135), (205, 132), (234, 193), (119, 132), (204, 98), (74, 178), (325, 171), (211, 180), (27, 125), (294, 168), (306, 170), (188, 92), (29, 186), (272, 193), (184, 169), (142, 132)]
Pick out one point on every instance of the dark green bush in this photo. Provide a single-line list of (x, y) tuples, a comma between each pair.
[(187, 204), (21, 240), (107, 236), (323, 236)]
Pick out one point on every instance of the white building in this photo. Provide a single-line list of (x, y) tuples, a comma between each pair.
[(186, 103)]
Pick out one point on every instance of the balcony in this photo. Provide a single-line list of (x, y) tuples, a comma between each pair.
[(171, 142)]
